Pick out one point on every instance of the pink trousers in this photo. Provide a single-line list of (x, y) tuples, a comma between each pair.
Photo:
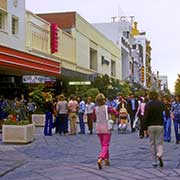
[(105, 142)]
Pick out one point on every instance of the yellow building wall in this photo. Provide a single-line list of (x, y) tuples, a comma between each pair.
[(88, 37), (37, 34), (66, 50), (82, 50), (38, 41), (90, 32)]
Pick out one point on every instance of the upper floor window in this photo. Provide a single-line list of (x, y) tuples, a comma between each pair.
[(15, 24), (3, 20), (113, 68), (126, 34), (93, 59)]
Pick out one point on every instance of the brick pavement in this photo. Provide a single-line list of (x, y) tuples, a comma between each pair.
[(74, 157)]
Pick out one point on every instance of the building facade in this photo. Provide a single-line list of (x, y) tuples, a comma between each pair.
[(16, 60), (163, 82), (119, 32), (126, 36), (94, 53), (12, 23), (145, 55)]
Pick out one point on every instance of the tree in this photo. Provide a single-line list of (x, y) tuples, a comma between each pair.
[(92, 92), (102, 83), (37, 96), (177, 85), (125, 89)]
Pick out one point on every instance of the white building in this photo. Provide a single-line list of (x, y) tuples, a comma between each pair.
[(141, 41), (163, 82), (12, 23), (120, 33)]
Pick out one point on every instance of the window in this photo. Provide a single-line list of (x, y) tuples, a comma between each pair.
[(113, 68), (15, 22), (3, 20), (126, 34), (93, 59), (104, 61)]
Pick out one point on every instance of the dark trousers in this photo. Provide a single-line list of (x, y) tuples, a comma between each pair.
[(177, 129), (142, 126), (61, 123), (132, 117), (81, 122), (48, 124), (90, 122)]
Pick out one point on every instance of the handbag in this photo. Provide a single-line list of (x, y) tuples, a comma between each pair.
[(109, 121)]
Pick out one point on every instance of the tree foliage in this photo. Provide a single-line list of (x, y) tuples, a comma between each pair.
[(125, 89), (102, 83), (177, 85), (92, 92), (37, 96)]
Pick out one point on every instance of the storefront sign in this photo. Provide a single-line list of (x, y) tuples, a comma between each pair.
[(80, 83), (37, 79)]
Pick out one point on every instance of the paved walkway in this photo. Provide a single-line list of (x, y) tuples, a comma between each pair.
[(74, 157)]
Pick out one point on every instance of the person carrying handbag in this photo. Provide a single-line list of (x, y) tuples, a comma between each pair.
[(102, 129)]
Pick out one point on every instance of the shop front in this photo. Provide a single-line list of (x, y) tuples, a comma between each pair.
[(14, 65)]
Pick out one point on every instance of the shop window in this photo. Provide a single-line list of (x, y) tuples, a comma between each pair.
[(93, 59), (15, 24), (3, 20)]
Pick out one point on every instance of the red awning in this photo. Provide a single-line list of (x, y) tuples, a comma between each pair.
[(27, 63)]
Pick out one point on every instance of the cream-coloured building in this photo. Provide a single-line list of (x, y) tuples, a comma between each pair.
[(93, 52), (38, 41)]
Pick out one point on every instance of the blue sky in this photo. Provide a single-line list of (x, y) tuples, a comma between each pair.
[(159, 18)]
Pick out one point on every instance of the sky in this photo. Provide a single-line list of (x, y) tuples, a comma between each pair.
[(159, 18)]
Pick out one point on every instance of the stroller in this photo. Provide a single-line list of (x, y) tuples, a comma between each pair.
[(123, 120)]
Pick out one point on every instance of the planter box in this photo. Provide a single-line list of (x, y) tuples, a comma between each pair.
[(18, 133), (38, 119)]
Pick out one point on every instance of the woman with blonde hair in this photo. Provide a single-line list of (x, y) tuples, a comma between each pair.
[(101, 113), (61, 108)]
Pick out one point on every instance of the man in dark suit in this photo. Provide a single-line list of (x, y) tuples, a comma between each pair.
[(132, 109)]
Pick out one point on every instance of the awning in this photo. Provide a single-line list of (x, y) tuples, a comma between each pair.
[(25, 63)]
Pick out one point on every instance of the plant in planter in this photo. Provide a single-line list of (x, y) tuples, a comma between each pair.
[(10, 110), (40, 98), (17, 131), (14, 129)]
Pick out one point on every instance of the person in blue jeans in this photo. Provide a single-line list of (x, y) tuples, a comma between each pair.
[(175, 115), (81, 111), (167, 119)]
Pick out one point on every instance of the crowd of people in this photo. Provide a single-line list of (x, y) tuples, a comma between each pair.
[(154, 114)]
